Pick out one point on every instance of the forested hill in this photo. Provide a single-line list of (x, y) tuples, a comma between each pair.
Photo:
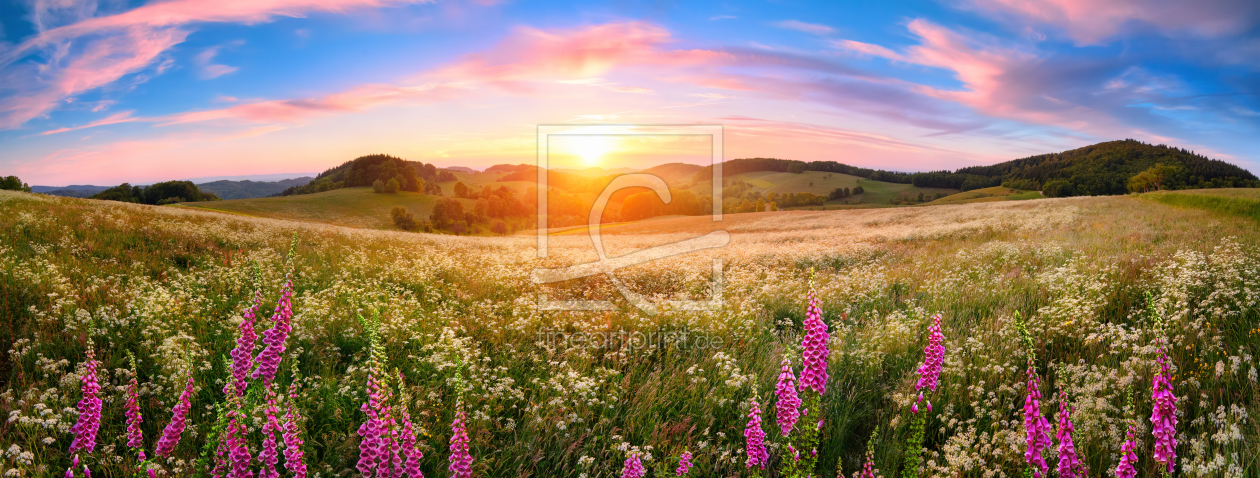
[(367, 170), (1113, 167)]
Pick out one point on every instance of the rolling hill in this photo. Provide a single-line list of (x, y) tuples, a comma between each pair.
[(353, 207), (251, 189), (996, 193)]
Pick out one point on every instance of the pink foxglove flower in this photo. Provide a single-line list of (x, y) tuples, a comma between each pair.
[(269, 456), (934, 357), (370, 430), (1035, 427), (787, 409), (243, 354), (755, 438), (135, 436), (1164, 416), (461, 460), (684, 463), (292, 439), (1069, 462), (408, 441), (633, 467), (868, 469), (238, 449), (179, 419), (275, 337), (1128, 458), (814, 348), (89, 407)]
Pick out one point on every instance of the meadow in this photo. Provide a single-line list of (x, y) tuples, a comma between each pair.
[(449, 328)]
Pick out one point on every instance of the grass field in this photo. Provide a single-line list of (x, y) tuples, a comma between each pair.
[(1235, 202), (459, 318), (997, 193), (352, 207)]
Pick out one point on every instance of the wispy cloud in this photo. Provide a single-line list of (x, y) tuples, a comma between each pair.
[(1091, 22), (98, 50), (722, 17), (123, 117), (811, 28), (207, 69)]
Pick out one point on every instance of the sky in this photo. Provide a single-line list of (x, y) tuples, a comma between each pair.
[(111, 91)]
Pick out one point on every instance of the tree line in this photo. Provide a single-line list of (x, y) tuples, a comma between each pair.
[(413, 176), (156, 194)]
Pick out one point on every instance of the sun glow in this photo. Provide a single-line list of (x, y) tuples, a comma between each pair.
[(591, 148)]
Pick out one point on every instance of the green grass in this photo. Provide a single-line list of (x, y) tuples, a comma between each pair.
[(1233, 202), (996, 193), (353, 207), (879, 192)]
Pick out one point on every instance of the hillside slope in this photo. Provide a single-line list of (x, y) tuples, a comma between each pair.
[(251, 189), (353, 207)]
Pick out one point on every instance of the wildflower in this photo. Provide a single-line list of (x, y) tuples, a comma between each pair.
[(1068, 460), (243, 354), (238, 449), (1164, 416), (814, 367), (633, 468), (755, 444), (135, 436), (1127, 456), (170, 435), (461, 461), (275, 337), (409, 443), (89, 407), (684, 463), (1035, 426), (934, 357), (787, 409), (268, 456), (868, 469), (370, 431), (292, 441)]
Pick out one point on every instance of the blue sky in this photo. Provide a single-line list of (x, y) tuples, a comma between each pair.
[(113, 91)]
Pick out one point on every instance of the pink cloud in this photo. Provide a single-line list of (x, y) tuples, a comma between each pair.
[(123, 117), (867, 49), (1092, 21), (577, 56), (121, 44), (100, 63), (210, 70)]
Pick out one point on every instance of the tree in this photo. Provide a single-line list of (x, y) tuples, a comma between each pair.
[(439, 216), (12, 183), (1058, 188), (391, 186), (858, 190), (378, 186), (499, 228), (404, 219), (761, 205), (461, 191)]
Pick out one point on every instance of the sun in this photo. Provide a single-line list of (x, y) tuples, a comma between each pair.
[(592, 148)]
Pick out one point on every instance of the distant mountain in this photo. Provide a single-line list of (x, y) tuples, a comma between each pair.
[(460, 169), (251, 189), (674, 173), (74, 190), (1100, 169)]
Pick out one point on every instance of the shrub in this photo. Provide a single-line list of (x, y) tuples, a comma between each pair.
[(404, 219), (391, 187)]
